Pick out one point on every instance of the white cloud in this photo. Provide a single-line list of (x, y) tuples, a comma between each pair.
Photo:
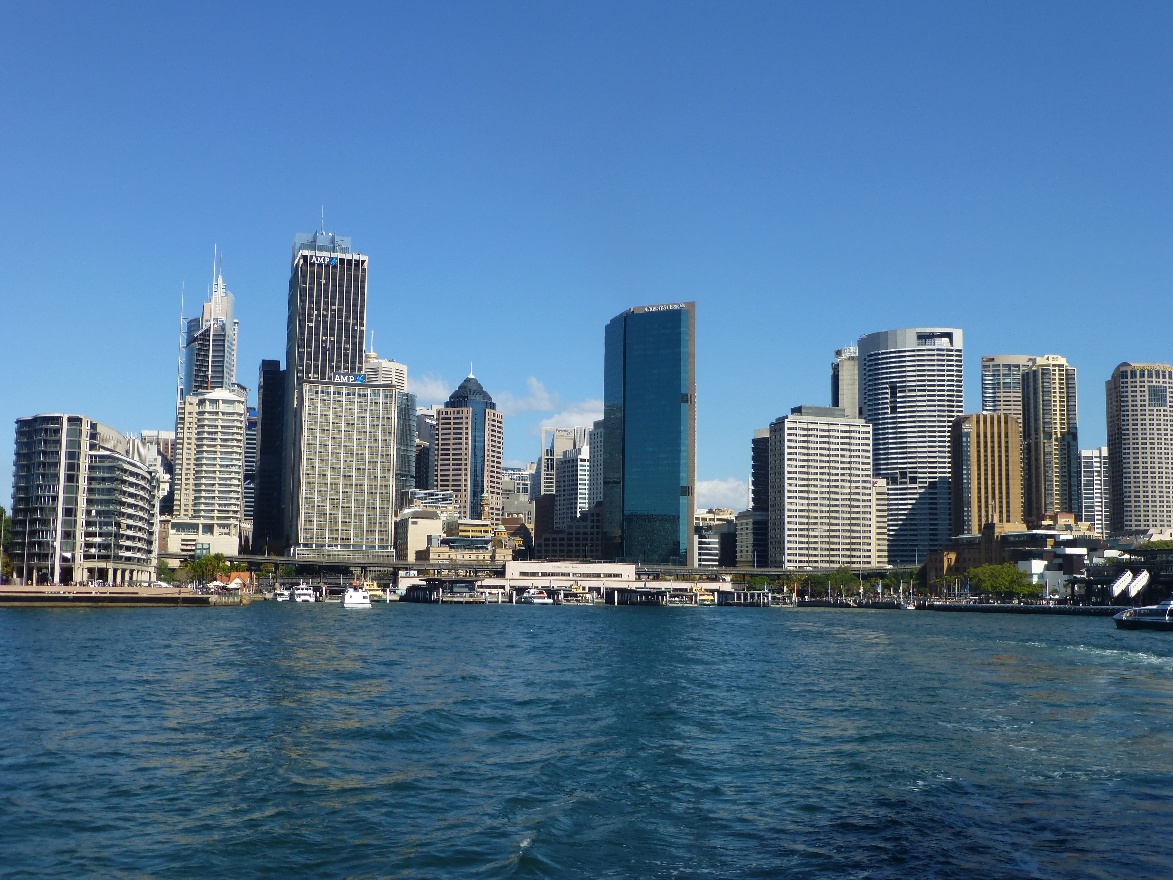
[(429, 389), (580, 414), (537, 400), (721, 493)]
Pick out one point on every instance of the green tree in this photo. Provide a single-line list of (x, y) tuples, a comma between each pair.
[(288, 571), (1156, 545), (165, 572), (205, 569), (1006, 581)]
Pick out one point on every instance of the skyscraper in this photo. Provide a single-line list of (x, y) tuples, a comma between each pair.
[(268, 523), (986, 479), (1140, 448), (1095, 488), (910, 392), (845, 380), (326, 328), (821, 490), (387, 372), (325, 341), (1002, 383), (210, 341), (469, 440), (649, 416), (1050, 438)]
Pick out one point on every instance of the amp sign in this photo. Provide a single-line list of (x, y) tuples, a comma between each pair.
[(350, 378)]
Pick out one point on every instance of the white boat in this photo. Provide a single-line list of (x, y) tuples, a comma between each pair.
[(282, 594), (303, 593), (536, 597), (1159, 616), (356, 597)]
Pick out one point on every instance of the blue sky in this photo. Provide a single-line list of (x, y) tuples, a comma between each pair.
[(519, 173)]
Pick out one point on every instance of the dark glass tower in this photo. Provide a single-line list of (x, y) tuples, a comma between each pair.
[(649, 416), (267, 525)]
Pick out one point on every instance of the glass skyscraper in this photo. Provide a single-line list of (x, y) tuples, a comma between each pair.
[(649, 421)]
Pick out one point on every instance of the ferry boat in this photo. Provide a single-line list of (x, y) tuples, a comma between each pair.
[(282, 594), (535, 597), (303, 593), (356, 597), (1159, 616)]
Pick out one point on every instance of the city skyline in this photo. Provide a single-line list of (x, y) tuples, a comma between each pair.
[(806, 175)]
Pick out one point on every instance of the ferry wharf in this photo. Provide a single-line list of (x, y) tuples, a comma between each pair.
[(14, 596)]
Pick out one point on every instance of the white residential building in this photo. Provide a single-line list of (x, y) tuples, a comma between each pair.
[(1095, 496), (572, 473), (209, 473)]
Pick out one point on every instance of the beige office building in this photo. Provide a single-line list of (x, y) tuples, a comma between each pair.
[(822, 493), (1140, 448), (986, 478), (209, 473), (469, 443), (344, 479)]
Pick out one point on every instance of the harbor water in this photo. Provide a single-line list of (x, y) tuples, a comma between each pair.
[(508, 741)]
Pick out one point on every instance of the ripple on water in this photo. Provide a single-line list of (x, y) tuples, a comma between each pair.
[(491, 742)]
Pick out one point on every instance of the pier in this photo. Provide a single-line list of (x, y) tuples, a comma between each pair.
[(132, 597)]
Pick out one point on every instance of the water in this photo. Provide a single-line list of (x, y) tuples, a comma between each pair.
[(425, 741)]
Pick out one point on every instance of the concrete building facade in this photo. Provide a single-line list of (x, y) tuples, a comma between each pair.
[(344, 485), (1140, 448), (821, 490), (845, 381)]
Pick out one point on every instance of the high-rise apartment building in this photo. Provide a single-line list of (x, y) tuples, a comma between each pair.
[(822, 498), (210, 342), (845, 380), (85, 503), (910, 393), (268, 522), (649, 419), (1002, 383), (469, 441), (986, 479), (1095, 481), (209, 474), (1140, 448), (1050, 438)]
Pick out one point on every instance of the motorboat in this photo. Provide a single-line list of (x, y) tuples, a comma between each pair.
[(536, 597), (303, 593), (282, 594), (356, 597), (1159, 616)]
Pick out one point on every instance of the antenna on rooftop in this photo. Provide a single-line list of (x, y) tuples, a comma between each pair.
[(323, 219)]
